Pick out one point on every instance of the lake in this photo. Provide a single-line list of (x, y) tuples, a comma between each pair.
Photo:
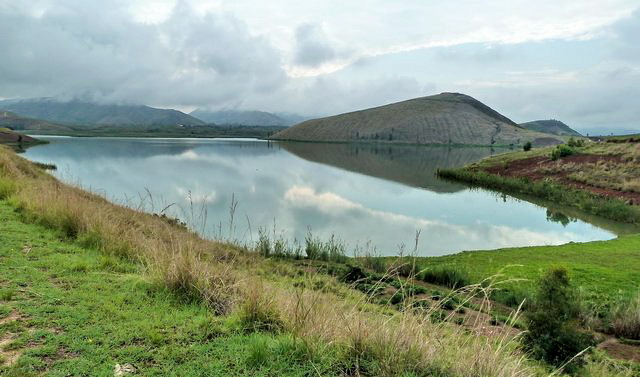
[(371, 197)]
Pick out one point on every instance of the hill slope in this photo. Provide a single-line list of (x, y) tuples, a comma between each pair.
[(550, 126), (13, 138), (237, 117), (16, 122), (446, 118), (88, 113)]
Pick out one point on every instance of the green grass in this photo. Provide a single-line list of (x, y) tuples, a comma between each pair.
[(605, 272), (82, 312)]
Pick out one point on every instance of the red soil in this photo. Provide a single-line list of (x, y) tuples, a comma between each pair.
[(532, 168)]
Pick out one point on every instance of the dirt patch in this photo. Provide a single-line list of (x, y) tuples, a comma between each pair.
[(534, 168), (61, 354), (8, 357), (619, 350), (13, 316)]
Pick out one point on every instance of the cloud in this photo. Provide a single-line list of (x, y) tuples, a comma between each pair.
[(575, 62), (312, 46), (98, 51)]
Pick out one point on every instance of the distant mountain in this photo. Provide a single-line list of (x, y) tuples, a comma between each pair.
[(551, 126), (446, 118), (292, 119), (88, 113), (239, 118), (18, 123)]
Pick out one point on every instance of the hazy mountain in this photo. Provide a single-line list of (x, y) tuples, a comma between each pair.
[(239, 118), (248, 118), (446, 118), (291, 119), (16, 122), (550, 126), (88, 113)]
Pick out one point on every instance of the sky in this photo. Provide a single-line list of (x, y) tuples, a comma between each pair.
[(576, 61)]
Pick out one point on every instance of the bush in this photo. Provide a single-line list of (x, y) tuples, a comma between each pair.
[(448, 276), (527, 146), (562, 151), (552, 319), (575, 143)]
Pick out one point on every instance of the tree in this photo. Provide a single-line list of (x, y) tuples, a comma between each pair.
[(552, 317), (527, 146)]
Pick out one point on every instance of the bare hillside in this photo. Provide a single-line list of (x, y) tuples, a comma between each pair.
[(446, 118)]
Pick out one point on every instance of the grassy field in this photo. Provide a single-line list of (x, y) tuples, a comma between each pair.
[(605, 272), (68, 310)]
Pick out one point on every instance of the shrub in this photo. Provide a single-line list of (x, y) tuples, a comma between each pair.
[(562, 151), (552, 319), (575, 143), (626, 319), (527, 146), (449, 276)]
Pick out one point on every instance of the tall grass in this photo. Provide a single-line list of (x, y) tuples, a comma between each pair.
[(626, 319), (448, 276), (214, 273)]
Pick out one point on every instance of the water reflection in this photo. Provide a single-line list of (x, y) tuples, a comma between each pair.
[(410, 165), (359, 193)]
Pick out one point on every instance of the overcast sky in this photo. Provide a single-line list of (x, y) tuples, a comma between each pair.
[(577, 61)]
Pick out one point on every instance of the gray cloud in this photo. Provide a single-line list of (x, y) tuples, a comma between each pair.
[(97, 51), (312, 46)]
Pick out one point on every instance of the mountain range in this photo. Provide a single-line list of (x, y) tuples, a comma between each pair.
[(81, 113)]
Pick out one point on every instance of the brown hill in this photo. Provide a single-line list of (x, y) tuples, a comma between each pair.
[(446, 118)]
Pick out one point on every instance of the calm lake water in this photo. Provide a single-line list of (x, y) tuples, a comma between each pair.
[(364, 195)]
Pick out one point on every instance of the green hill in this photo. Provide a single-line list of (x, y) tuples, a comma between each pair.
[(551, 126), (446, 118), (88, 113), (19, 123)]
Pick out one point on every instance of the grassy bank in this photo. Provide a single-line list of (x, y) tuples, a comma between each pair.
[(598, 178), (71, 310), (300, 319)]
